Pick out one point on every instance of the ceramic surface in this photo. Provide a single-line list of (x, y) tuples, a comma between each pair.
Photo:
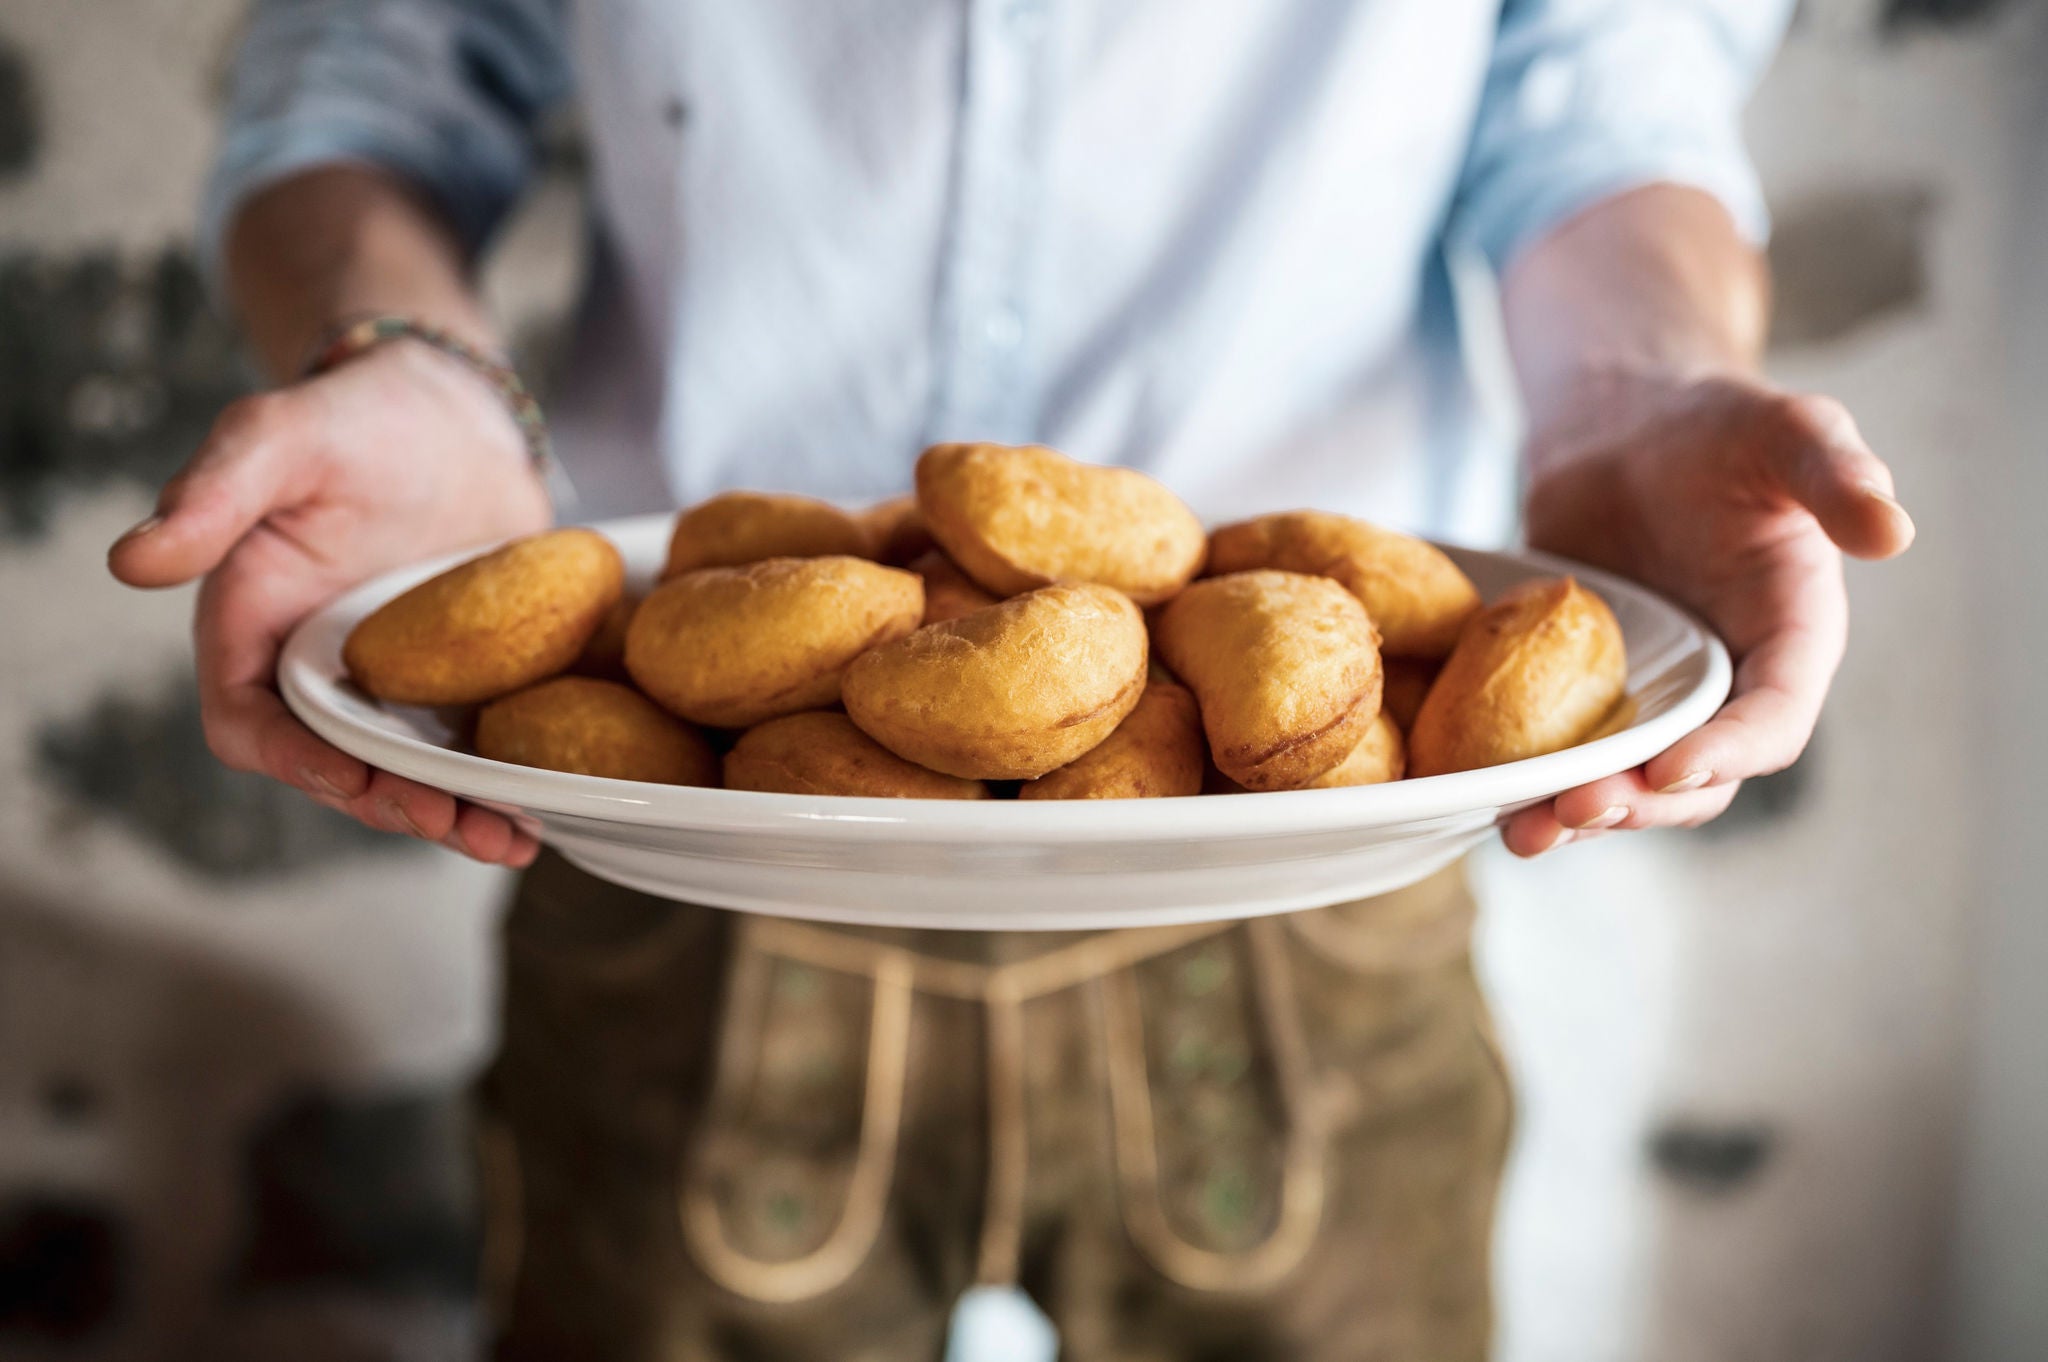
[(1008, 864)]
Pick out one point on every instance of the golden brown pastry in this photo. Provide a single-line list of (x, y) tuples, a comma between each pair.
[(1214, 782), (1417, 597), (605, 655), (1622, 716), (735, 528), (897, 530), (948, 592), (1156, 752), (820, 752), (1378, 758), (1285, 666), (1016, 518), (594, 728), (1537, 671), (1009, 692), (1408, 679), (506, 619), (731, 646)]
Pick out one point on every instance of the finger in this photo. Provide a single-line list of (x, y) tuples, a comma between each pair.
[(1779, 689), (245, 609), (1559, 839), (243, 613), (1819, 457), (1604, 803), (396, 804), (347, 810), (250, 729), (1535, 830), (253, 462), (488, 837), (478, 833), (1628, 802)]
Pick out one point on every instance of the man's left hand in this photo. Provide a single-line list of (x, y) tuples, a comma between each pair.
[(1738, 500)]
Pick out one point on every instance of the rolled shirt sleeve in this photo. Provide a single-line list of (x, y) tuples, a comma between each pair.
[(443, 93), (1587, 98)]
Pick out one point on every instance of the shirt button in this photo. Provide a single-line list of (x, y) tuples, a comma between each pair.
[(1004, 329)]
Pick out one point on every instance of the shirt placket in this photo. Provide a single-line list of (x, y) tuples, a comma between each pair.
[(985, 388)]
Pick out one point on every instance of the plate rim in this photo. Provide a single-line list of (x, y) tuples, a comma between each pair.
[(308, 667)]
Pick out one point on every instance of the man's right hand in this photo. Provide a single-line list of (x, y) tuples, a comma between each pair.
[(296, 496)]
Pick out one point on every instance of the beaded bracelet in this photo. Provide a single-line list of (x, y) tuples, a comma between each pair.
[(357, 337)]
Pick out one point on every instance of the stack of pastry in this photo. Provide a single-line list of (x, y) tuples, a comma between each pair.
[(1023, 624)]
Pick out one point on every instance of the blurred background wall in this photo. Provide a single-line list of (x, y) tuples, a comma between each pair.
[(1783, 1086)]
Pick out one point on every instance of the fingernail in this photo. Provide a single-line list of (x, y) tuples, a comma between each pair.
[(1888, 501), (397, 811), (310, 779), (1690, 781), (147, 525), (1606, 818)]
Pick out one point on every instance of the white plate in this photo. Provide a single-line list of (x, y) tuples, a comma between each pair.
[(1010, 864)]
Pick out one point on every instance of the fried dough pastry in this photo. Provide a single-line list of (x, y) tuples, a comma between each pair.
[(1379, 757), (897, 529), (1417, 597), (821, 752), (594, 728), (1018, 518), (948, 592), (1214, 782), (1537, 671), (1285, 666), (1008, 692), (731, 646), (1157, 751), (735, 528), (506, 619), (1408, 679), (605, 655)]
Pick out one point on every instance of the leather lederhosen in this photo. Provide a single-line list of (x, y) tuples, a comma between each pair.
[(710, 1135)]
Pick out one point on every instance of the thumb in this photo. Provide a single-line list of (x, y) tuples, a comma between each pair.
[(251, 464), (1819, 457)]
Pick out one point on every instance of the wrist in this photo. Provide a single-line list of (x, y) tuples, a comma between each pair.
[(456, 387), (1602, 401), (1650, 290), (478, 372)]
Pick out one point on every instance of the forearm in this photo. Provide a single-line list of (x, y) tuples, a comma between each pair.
[(337, 242), (1653, 282)]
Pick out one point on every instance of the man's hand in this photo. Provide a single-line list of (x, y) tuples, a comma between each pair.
[(1658, 452), (296, 496), (1739, 501)]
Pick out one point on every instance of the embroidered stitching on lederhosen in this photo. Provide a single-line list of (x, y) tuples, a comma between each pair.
[(1135, 1141), (1002, 990), (867, 1190), (1308, 1105)]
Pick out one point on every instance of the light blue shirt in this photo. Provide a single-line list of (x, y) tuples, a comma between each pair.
[(1205, 238)]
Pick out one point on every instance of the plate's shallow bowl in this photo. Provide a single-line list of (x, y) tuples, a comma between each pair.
[(1011, 864)]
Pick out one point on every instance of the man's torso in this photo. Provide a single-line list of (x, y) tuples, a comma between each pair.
[(1189, 237)]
